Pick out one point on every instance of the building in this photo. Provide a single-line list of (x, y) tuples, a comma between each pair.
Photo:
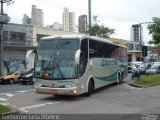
[(17, 41), (82, 24), (37, 17), (56, 26), (68, 21), (155, 52), (39, 32), (26, 20), (133, 48), (135, 33)]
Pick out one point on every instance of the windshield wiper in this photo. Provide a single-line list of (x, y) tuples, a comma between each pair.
[(56, 66), (61, 74), (48, 64)]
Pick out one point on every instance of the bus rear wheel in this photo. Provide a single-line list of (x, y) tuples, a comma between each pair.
[(120, 79)]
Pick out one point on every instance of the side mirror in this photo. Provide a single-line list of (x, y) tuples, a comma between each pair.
[(77, 55)]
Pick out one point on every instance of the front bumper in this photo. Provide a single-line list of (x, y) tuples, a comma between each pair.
[(56, 91)]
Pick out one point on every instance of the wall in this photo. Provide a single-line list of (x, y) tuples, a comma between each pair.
[(15, 47), (13, 64), (19, 29), (46, 31)]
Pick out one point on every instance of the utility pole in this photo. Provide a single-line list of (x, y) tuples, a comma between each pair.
[(3, 20), (89, 14), (1, 41), (140, 40)]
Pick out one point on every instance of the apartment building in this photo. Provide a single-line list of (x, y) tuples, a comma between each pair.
[(37, 17), (68, 20), (82, 24)]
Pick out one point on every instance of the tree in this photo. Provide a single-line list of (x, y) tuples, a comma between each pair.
[(100, 30), (154, 31)]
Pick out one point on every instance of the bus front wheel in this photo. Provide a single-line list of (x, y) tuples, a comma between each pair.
[(90, 88)]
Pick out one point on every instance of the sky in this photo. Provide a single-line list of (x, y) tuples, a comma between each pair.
[(116, 14)]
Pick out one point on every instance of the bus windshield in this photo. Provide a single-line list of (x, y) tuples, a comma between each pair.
[(55, 59)]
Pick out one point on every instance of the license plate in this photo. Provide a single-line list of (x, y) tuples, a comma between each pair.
[(52, 91)]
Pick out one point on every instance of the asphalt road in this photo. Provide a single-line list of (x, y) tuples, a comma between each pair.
[(113, 99), (7, 91), (14, 87)]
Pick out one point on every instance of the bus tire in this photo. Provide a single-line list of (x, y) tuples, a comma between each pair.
[(119, 79), (90, 87)]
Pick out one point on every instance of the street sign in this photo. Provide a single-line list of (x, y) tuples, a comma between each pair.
[(4, 18)]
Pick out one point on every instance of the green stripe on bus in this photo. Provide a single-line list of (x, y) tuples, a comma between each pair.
[(108, 78)]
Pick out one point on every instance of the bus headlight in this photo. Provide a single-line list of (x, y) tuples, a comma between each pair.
[(70, 86), (74, 92), (37, 82)]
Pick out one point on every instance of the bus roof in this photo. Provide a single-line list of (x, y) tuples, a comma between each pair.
[(82, 36)]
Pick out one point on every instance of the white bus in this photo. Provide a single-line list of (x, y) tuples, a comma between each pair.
[(73, 65)]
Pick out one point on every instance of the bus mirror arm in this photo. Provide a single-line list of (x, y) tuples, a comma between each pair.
[(77, 55)]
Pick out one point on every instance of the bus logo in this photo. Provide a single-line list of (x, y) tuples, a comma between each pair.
[(109, 62)]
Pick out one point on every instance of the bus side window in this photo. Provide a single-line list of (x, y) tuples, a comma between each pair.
[(101, 50), (108, 50), (115, 52), (92, 49), (83, 56)]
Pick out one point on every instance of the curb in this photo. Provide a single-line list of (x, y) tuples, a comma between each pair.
[(134, 85)]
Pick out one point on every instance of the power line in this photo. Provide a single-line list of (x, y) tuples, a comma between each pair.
[(103, 16)]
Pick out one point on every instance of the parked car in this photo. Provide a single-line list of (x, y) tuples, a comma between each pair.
[(10, 78), (155, 68), (27, 77), (131, 65), (142, 68)]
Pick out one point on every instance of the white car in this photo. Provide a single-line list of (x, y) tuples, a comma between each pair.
[(155, 68), (142, 68), (131, 65)]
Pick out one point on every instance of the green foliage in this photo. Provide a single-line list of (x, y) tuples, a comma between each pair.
[(4, 109), (100, 30), (148, 80), (154, 30)]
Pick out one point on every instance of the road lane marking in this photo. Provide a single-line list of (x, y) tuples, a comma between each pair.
[(9, 94), (25, 111), (23, 91), (3, 99), (36, 106)]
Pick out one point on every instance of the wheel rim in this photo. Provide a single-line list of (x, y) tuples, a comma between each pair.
[(11, 81)]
